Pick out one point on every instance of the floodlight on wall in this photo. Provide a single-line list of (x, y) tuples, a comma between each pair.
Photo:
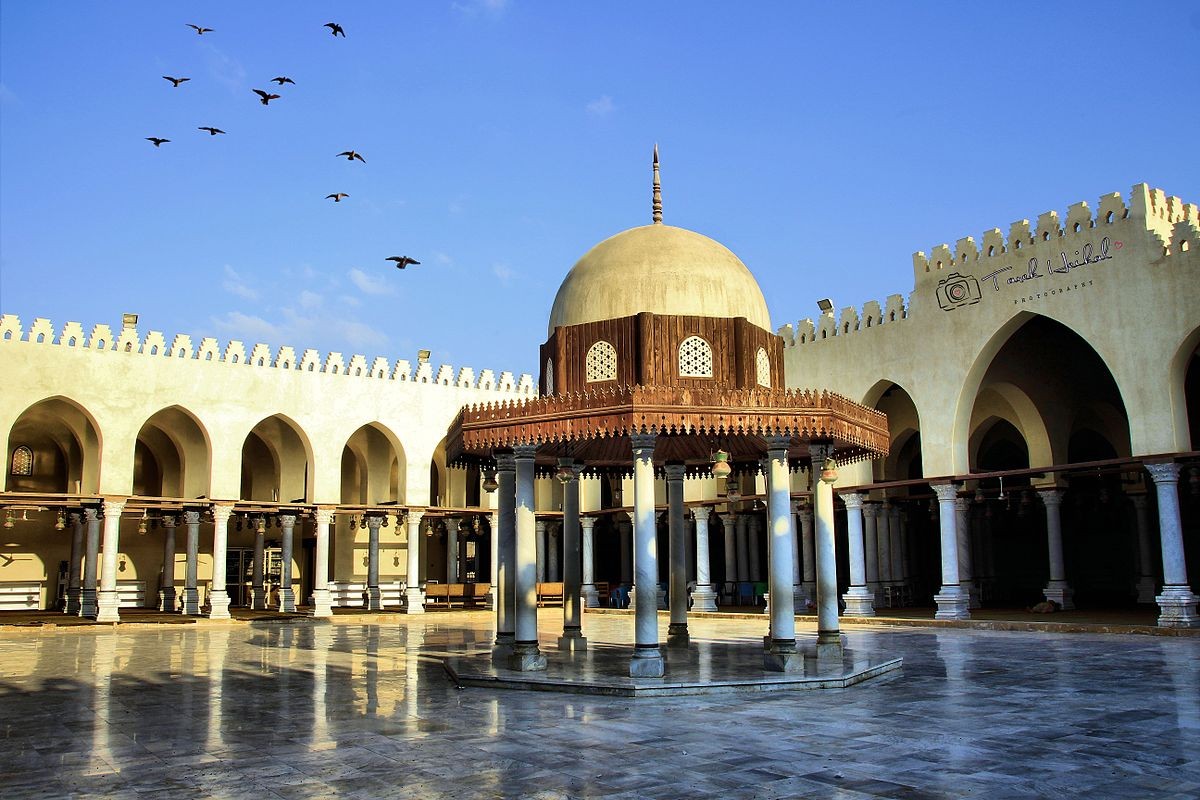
[(129, 320), (423, 356), (825, 305)]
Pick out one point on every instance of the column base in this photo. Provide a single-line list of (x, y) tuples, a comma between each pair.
[(952, 603), (572, 641), (1145, 589), (374, 599), (782, 656), (526, 657), (830, 646), (258, 598), (677, 635), (1061, 593), (218, 604), (322, 603), (73, 602), (860, 602), (489, 599), (502, 649), (167, 599), (590, 595), (1177, 608), (191, 602), (106, 606), (87, 603), (704, 598), (647, 662), (414, 601), (287, 601)]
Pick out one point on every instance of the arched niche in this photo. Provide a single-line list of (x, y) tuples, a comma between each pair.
[(64, 441), (275, 462), (373, 466), (172, 456), (452, 487), (1185, 390), (903, 423)]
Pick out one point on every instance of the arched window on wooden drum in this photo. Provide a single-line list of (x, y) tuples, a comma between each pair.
[(762, 366), (600, 364), (695, 358)]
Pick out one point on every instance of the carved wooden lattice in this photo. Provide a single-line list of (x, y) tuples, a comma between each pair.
[(601, 362), (763, 368), (695, 358)]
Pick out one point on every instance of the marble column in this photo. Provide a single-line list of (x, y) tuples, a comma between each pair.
[(75, 566), (1177, 603), (962, 508), (743, 548), (322, 603), (287, 595), (258, 591), (799, 601), (896, 529), (539, 527), (1057, 588), (166, 590), (452, 575), (464, 536), (886, 579), (552, 557), (218, 593), (506, 558), (490, 601), (677, 630), (728, 523), (781, 655), (952, 601), (860, 600), (647, 661), (810, 558), (374, 593), (1146, 577), (591, 595), (107, 600), (871, 550), (414, 598), (625, 535), (704, 596), (572, 639), (526, 655), (829, 639), (191, 588), (87, 591), (754, 526)]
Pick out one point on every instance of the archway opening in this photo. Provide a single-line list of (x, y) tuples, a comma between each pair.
[(61, 449), (171, 456)]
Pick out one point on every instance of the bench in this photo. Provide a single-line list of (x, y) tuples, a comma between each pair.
[(456, 595), (550, 594), (20, 596), (437, 595)]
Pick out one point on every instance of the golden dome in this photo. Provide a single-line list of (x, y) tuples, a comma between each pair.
[(663, 270)]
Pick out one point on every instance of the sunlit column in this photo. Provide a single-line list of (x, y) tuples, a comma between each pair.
[(287, 596), (414, 598), (829, 639), (647, 661), (191, 588), (704, 597), (951, 600), (322, 603), (859, 597), (107, 599), (88, 593), (1057, 588), (1177, 603), (258, 591), (1146, 577), (677, 630), (781, 655), (572, 637), (75, 565), (218, 595), (962, 509), (526, 655), (506, 521), (374, 594), (591, 595), (166, 590)]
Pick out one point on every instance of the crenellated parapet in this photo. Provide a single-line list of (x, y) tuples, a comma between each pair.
[(851, 320), (154, 344)]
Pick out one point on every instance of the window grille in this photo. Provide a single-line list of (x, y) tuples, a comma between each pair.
[(763, 366), (695, 358), (601, 362), (22, 461)]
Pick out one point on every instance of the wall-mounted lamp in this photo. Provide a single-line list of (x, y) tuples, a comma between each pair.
[(829, 472), (489, 480), (9, 518), (61, 522), (720, 465)]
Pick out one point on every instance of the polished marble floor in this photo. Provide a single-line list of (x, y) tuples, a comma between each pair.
[(314, 710)]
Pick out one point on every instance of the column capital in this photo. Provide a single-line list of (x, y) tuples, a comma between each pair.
[(289, 521), (540, 525), (962, 504), (323, 515), (806, 516), (700, 513), (777, 446), (373, 521), (221, 513), (852, 500), (414, 516), (871, 510), (90, 514), (643, 445), (506, 462), (169, 520), (675, 472), (946, 492), (525, 452), (1051, 497), (191, 518), (728, 520), (819, 451), (75, 517), (1140, 502), (115, 507), (1166, 472), (587, 523)]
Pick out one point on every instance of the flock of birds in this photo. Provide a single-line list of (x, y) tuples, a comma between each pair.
[(265, 98)]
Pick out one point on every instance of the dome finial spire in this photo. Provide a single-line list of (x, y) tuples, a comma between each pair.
[(657, 205)]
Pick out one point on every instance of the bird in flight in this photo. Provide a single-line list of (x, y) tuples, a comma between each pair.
[(265, 97), (351, 155), (175, 81), (336, 197), (157, 141), (335, 29), (211, 131), (281, 80), (402, 261), (200, 31)]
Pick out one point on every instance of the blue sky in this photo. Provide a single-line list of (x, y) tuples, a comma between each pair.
[(822, 143)]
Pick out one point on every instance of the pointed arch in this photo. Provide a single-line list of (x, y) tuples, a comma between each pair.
[(65, 441), (182, 447), (277, 459), (1185, 408), (374, 465)]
